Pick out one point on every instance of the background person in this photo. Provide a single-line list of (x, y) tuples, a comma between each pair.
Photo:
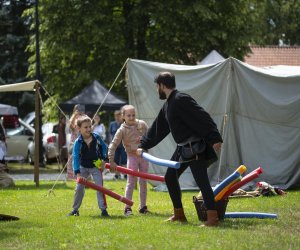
[(62, 141), (188, 123), (78, 111), (120, 154), (99, 127), (5, 179)]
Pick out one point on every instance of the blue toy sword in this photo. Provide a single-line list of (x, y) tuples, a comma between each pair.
[(160, 162)]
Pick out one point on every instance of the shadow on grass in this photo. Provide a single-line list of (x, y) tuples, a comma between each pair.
[(111, 217), (162, 215), (13, 229), (235, 224), (42, 186), (243, 223)]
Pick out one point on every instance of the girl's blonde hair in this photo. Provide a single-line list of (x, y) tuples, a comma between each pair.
[(126, 107)]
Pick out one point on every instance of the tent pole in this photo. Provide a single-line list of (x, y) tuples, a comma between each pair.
[(37, 135)]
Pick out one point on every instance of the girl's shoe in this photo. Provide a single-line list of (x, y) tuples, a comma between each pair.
[(144, 210)]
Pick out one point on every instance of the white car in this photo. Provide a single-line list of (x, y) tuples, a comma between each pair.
[(50, 144), (17, 141), (30, 119), (3, 148)]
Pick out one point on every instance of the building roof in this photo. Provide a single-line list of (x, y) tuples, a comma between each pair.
[(262, 56)]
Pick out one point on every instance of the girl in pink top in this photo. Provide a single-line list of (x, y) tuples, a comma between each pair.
[(130, 133)]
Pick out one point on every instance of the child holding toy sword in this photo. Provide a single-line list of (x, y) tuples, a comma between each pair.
[(130, 133), (88, 150)]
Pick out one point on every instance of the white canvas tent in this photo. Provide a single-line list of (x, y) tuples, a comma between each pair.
[(256, 110), (212, 58)]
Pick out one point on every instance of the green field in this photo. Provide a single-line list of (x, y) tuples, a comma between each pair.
[(43, 222)]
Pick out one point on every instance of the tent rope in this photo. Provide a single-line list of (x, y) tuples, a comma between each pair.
[(51, 191), (52, 99), (110, 88)]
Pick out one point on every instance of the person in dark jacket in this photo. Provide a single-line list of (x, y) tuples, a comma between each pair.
[(197, 139)]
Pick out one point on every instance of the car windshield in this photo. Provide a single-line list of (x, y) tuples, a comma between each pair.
[(29, 118), (24, 129)]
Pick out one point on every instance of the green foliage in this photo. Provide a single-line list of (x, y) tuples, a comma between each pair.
[(188, 31), (86, 40), (13, 41), (50, 110), (280, 20), (43, 222), (78, 44), (81, 41)]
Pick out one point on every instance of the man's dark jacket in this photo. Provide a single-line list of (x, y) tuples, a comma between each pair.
[(183, 117)]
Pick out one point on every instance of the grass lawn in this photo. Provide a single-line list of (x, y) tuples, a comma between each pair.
[(43, 222)]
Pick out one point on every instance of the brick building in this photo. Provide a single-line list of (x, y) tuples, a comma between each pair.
[(263, 56)]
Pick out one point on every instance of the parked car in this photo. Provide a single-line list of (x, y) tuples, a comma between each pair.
[(3, 148), (50, 144), (17, 141), (9, 116), (30, 119)]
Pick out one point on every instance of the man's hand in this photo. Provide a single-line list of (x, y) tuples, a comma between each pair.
[(217, 146), (113, 166)]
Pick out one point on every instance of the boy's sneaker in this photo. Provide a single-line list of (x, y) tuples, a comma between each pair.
[(104, 213), (74, 213), (144, 210), (128, 211)]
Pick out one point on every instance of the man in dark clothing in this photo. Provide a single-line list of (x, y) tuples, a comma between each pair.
[(190, 126)]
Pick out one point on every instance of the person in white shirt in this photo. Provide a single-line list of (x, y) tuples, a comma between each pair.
[(99, 127)]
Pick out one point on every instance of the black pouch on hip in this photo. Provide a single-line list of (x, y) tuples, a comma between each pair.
[(191, 149)]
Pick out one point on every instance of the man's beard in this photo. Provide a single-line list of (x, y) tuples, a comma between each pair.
[(162, 95)]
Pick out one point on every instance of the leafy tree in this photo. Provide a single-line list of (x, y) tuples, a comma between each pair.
[(86, 40), (78, 44), (279, 22), (185, 31), (13, 42)]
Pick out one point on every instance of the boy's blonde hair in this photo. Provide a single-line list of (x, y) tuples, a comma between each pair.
[(83, 118)]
